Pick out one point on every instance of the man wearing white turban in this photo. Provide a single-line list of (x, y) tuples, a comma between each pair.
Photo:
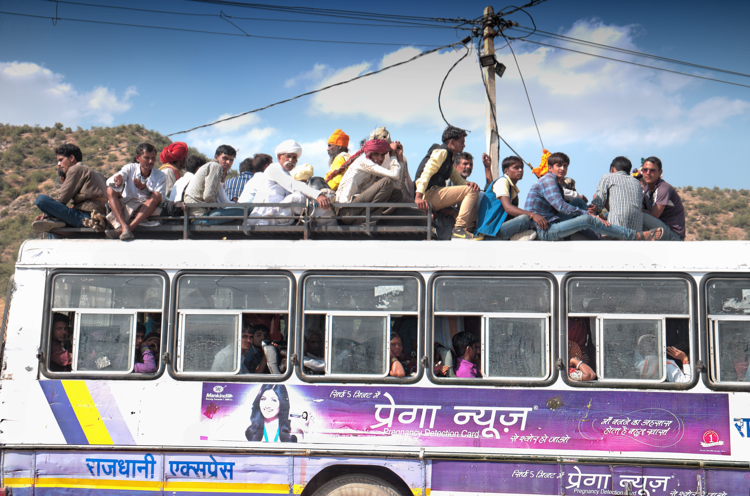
[(279, 186)]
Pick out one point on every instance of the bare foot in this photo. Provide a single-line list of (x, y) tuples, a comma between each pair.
[(652, 235)]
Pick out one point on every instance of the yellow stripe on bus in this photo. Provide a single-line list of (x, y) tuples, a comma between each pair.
[(226, 487), (88, 415), (98, 484), (418, 491), (18, 482)]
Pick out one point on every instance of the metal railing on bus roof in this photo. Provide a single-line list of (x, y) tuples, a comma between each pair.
[(402, 219)]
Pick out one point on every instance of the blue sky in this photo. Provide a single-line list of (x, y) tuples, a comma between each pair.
[(592, 109)]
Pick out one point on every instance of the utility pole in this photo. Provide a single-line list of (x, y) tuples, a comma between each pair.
[(488, 47)]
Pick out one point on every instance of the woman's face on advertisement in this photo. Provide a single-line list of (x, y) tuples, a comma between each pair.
[(269, 405)]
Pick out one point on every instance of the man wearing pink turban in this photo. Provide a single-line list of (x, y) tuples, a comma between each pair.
[(174, 158), (367, 181)]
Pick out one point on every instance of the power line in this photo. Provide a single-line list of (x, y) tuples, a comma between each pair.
[(214, 32), (525, 89), (440, 107), (533, 3), (631, 63), (625, 50)]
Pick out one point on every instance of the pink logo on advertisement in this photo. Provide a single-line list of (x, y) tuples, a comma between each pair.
[(711, 438)]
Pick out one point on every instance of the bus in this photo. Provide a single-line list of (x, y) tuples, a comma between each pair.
[(326, 417)]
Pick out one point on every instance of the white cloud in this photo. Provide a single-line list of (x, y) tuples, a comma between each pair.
[(576, 98), (315, 153), (245, 134), (32, 94)]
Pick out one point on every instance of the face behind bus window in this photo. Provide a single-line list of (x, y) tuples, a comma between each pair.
[(269, 405), (60, 331)]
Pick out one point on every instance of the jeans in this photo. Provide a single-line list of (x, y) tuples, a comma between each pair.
[(54, 208), (220, 213), (562, 229), (511, 227), (651, 222)]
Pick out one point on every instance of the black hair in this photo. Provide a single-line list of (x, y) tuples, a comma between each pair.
[(394, 334), (194, 162), (246, 165), (508, 161), (558, 158), (461, 341), (60, 317), (452, 132), (261, 327), (261, 161), (458, 157), (225, 150), (140, 328), (654, 160), (69, 149), (622, 164), (144, 148), (257, 422)]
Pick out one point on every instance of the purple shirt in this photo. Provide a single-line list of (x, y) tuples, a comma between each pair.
[(673, 214), (149, 363), (465, 368)]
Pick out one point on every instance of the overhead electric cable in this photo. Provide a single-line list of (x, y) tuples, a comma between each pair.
[(631, 63), (216, 32), (440, 107)]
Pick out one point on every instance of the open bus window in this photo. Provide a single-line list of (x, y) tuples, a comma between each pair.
[(729, 329), (95, 320), (360, 326), (509, 318), (232, 325), (628, 329)]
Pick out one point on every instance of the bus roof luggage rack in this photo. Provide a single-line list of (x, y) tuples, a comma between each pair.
[(402, 221)]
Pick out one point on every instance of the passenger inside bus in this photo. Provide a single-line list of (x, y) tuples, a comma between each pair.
[(396, 355), (224, 359), (149, 351), (60, 358), (313, 361), (578, 370), (735, 361), (145, 361), (465, 345)]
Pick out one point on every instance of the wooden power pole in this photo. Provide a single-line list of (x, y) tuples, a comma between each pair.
[(488, 47)]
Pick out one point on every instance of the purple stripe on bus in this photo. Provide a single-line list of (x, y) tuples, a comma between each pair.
[(495, 477), (63, 412), (69, 491), (110, 413)]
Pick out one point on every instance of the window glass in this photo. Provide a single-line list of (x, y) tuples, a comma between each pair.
[(234, 292), (516, 347), (209, 343), (634, 296), (492, 294), (734, 350), (632, 349), (357, 345), (108, 291), (105, 342), (729, 297), (387, 294)]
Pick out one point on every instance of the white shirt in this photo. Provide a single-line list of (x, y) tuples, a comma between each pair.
[(277, 183), (179, 186), (674, 374), (362, 173), (156, 181), (251, 188)]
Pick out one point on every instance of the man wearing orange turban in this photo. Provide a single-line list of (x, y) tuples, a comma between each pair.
[(338, 153), (174, 158)]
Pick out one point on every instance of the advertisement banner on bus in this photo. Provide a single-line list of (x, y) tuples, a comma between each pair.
[(622, 421)]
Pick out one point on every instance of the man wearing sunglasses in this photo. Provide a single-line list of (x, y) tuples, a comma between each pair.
[(662, 206)]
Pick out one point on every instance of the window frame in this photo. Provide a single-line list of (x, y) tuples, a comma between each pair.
[(627, 383), (175, 319), (551, 317), (47, 323), (711, 361), (359, 379)]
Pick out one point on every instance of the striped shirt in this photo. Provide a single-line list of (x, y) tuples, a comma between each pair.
[(621, 194), (233, 187)]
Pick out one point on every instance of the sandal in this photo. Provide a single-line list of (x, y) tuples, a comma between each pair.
[(652, 235)]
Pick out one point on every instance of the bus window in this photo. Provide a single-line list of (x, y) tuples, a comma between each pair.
[(95, 320), (729, 328), (509, 319), (629, 329), (359, 317), (232, 325)]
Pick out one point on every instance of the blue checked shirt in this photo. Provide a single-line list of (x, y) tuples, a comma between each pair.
[(546, 199), (233, 187), (621, 194)]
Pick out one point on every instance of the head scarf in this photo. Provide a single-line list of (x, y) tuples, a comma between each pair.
[(376, 146), (339, 138), (303, 172), (289, 146), (174, 152), (381, 133)]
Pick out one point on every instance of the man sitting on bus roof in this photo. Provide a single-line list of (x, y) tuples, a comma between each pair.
[(368, 181), (81, 184), (194, 162), (338, 155), (280, 187), (233, 187), (136, 191), (621, 194), (662, 206), (174, 158), (207, 186), (434, 170), (465, 346), (546, 199)]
